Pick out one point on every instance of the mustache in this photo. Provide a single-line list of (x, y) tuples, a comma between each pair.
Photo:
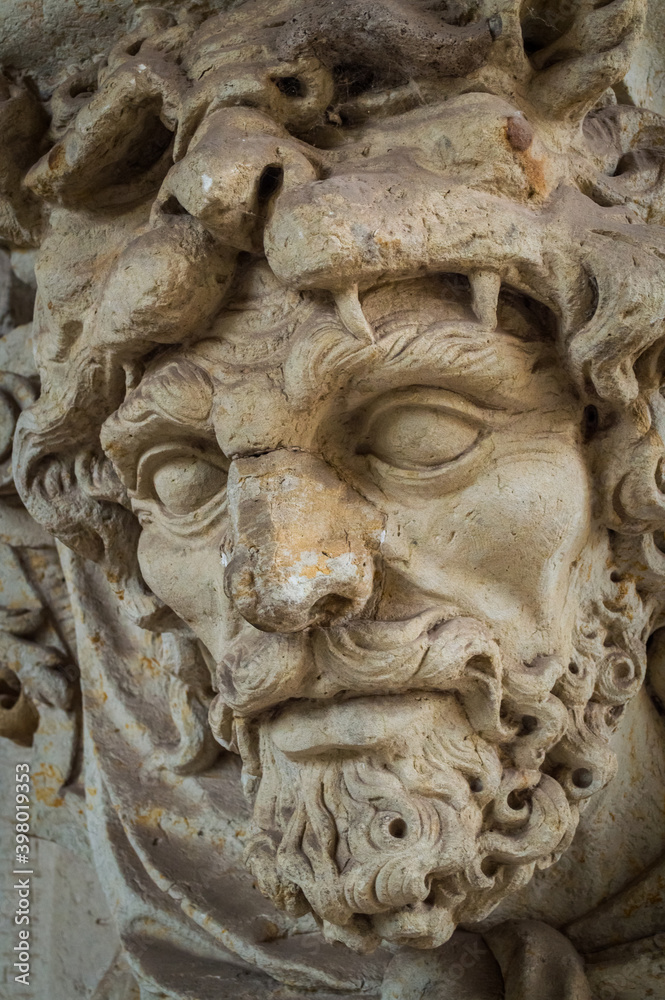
[(422, 653)]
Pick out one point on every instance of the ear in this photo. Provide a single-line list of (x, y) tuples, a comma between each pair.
[(119, 144), (579, 50), (124, 114), (628, 146)]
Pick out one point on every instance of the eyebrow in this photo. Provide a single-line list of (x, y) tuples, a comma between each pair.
[(175, 400), (493, 368)]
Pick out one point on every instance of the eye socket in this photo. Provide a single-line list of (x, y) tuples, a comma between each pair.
[(181, 481), (415, 436)]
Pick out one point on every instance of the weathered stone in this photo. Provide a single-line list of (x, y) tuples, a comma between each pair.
[(348, 420)]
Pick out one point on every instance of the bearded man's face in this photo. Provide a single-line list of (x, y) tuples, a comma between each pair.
[(384, 548)]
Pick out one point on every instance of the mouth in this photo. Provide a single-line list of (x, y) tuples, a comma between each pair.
[(386, 723), (362, 686), (261, 672)]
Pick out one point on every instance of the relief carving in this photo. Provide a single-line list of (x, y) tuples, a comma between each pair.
[(349, 330)]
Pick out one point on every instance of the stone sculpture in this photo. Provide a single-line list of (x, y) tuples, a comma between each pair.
[(349, 327)]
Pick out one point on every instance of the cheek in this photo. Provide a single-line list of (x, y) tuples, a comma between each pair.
[(187, 574), (531, 515), (509, 540)]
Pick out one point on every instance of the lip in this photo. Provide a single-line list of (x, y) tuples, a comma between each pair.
[(379, 722)]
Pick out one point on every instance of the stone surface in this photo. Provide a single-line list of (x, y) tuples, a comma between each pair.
[(52, 38), (331, 500), (645, 81)]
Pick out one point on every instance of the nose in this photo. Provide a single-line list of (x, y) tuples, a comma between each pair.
[(302, 543)]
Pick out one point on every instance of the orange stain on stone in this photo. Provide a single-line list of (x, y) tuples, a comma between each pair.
[(47, 782)]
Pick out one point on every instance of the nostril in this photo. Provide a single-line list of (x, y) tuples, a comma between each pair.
[(173, 207), (330, 609), (270, 184), (239, 580)]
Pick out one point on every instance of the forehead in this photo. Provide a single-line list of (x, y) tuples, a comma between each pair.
[(422, 327)]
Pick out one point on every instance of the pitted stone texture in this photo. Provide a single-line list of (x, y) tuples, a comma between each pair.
[(349, 327)]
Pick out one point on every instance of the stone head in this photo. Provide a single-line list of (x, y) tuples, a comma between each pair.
[(350, 339)]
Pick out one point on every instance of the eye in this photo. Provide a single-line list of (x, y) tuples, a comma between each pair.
[(183, 481), (420, 437)]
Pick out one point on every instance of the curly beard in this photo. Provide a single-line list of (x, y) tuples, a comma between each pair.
[(399, 816), (395, 846)]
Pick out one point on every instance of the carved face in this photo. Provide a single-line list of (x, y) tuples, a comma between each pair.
[(337, 481), (384, 549)]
